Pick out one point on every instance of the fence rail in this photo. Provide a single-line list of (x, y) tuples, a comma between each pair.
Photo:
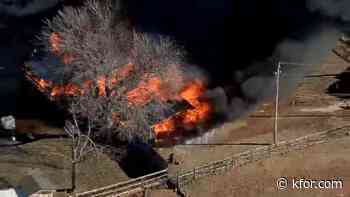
[(123, 188), (343, 51), (43, 193)]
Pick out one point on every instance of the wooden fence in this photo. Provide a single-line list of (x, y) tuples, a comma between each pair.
[(43, 193), (129, 187), (343, 50), (186, 177)]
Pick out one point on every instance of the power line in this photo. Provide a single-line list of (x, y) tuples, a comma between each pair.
[(328, 75), (301, 116)]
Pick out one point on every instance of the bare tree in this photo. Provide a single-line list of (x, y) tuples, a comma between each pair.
[(81, 142), (99, 48)]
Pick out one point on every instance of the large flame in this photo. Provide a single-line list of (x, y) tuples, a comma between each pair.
[(145, 92), (149, 88), (189, 118)]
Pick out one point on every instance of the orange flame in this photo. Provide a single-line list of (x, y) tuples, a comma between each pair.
[(101, 84), (71, 89), (54, 90), (120, 74), (151, 87), (55, 40), (141, 95), (65, 90), (187, 119), (147, 91)]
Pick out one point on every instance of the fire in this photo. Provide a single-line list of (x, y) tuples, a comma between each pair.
[(187, 119), (52, 89), (67, 90), (120, 74), (55, 40), (70, 89), (41, 84), (101, 84), (147, 91), (149, 88), (192, 92), (153, 87)]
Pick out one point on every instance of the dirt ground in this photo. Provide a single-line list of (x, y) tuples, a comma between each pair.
[(49, 160)]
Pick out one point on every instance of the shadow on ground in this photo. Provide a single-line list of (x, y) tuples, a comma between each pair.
[(341, 87), (141, 159)]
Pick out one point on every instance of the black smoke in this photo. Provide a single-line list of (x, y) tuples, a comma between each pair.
[(239, 42)]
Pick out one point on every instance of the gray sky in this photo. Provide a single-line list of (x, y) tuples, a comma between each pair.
[(25, 7)]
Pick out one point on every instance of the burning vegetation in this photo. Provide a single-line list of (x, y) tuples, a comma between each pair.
[(125, 83)]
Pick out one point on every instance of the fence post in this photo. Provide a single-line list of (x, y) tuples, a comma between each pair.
[(251, 155), (145, 193), (194, 173), (177, 181)]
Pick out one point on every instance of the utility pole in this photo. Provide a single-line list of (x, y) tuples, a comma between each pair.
[(278, 72), (278, 75)]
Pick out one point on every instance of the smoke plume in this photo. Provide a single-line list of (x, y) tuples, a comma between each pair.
[(239, 43), (25, 7), (332, 8)]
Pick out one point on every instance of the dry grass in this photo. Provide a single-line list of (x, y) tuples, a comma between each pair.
[(36, 126), (52, 159)]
